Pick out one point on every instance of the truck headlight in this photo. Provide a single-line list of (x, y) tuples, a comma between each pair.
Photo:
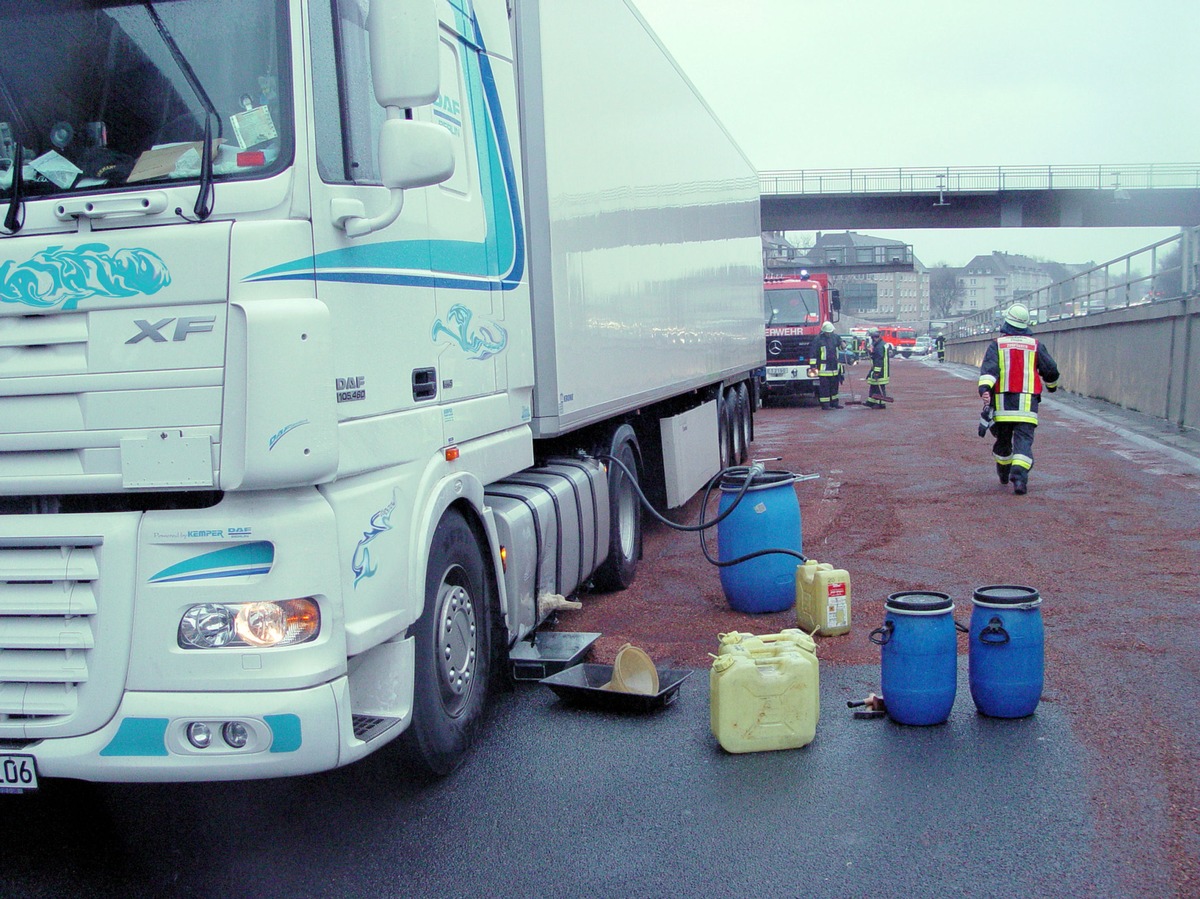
[(285, 622)]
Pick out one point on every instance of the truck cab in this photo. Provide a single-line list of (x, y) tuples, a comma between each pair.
[(795, 308)]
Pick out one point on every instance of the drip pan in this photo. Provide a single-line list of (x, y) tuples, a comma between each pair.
[(548, 653), (582, 685)]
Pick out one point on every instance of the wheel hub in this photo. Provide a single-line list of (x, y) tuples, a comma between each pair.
[(456, 644)]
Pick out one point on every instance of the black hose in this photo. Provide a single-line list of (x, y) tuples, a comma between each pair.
[(705, 525)]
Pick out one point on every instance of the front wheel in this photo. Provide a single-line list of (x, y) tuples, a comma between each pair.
[(453, 650)]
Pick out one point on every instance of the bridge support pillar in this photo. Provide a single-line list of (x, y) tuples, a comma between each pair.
[(1011, 211), (1189, 260)]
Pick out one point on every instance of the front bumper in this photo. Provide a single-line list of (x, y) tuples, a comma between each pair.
[(291, 732)]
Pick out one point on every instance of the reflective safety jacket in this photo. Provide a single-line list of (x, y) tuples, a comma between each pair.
[(879, 363), (827, 354), (1015, 368)]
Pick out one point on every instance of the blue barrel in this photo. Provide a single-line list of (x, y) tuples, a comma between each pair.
[(1007, 655), (767, 517), (919, 655)]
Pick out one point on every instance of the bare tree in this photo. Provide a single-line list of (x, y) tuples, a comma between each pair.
[(944, 291), (1168, 279)]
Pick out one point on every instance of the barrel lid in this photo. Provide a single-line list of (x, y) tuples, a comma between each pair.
[(733, 479), (1006, 595), (918, 601)]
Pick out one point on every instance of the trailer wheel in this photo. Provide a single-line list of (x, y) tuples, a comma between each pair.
[(453, 650), (725, 414), (624, 517), (746, 419), (737, 427)]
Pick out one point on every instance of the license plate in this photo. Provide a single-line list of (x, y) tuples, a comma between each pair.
[(782, 371), (18, 773)]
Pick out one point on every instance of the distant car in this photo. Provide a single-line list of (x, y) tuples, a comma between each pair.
[(923, 346)]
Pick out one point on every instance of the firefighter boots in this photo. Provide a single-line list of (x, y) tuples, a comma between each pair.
[(1020, 482), (1002, 471)]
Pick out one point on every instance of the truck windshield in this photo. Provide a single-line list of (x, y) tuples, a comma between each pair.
[(792, 306), (96, 94)]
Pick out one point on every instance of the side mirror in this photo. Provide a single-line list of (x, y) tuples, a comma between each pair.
[(403, 34), (405, 73), (411, 154), (414, 154)]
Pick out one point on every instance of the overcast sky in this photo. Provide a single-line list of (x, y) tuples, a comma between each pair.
[(951, 83)]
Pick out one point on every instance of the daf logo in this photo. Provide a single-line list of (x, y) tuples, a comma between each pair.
[(775, 347), (183, 327)]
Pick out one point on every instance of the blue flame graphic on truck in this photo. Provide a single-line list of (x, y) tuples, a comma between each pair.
[(381, 523), (60, 278), (481, 339)]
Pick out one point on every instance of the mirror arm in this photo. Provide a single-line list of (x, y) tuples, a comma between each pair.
[(355, 222), (357, 226)]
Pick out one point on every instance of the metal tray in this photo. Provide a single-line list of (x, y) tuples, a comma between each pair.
[(581, 685), (549, 652)]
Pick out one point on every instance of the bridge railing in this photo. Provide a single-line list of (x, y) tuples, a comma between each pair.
[(980, 179), (1163, 270)]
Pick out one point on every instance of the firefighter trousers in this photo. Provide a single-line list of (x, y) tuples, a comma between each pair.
[(827, 390), (1013, 448)]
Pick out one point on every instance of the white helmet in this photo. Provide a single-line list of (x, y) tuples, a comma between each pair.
[(827, 327), (1017, 316)]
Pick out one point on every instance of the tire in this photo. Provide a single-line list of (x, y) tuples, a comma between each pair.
[(725, 414), (737, 433), (624, 517), (453, 650), (747, 405)]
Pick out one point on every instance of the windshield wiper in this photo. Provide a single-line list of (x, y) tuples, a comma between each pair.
[(14, 219), (204, 202)]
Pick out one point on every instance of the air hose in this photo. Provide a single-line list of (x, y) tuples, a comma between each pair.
[(748, 473)]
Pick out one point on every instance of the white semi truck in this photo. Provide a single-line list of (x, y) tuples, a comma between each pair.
[(321, 322)]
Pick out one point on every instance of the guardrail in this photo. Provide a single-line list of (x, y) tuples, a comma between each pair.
[(1164, 270), (980, 179)]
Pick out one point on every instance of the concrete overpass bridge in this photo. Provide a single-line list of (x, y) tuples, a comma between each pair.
[(1080, 196)]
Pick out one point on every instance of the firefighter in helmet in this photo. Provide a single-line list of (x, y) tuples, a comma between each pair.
[(1015, 368), (877, 397), (829, 368)]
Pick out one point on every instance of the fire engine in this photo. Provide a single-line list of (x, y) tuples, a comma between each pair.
[(796, 307)]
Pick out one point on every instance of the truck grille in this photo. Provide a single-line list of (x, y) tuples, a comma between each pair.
[(789, 349), (47, 609)]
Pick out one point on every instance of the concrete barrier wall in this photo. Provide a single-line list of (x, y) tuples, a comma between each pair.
[(1144, 358)]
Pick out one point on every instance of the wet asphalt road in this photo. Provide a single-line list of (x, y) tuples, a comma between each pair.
[(1094, 795), (567, 802)]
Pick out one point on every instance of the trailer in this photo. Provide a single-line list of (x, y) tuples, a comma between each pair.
[(335, 337)]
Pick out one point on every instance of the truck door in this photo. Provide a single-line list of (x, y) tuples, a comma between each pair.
[(469, 334), (377, 285)]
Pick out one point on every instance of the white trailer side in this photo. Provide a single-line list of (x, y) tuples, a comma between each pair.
[(644, 235)]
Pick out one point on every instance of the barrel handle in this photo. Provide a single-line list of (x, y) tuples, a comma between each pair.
[(881, 635), (994, 633)]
